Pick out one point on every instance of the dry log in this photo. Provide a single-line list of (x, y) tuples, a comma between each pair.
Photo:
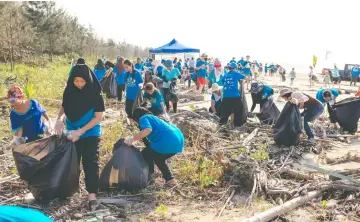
[(284, 208), (250, 137)]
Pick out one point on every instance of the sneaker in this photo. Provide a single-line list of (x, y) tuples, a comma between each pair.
[(171, 183), (311, 140)]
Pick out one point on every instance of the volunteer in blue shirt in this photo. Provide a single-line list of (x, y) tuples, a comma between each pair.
[(327, 96), (216, 98), (233, 60), (260, 93), (139, 65), (169, 74), (100, 70), (241, 62), (354, 74), (26, 117), (247, 71), (266, 68), (154, 97), (231, 102), (149, 65), (120, 71), (83, 106), (166, 140), (15, 214), (201, 72), (178, 65), (133, 79), (211, 75), (336, 76), (160, 68)]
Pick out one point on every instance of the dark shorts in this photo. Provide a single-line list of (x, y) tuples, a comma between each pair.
[(336, 79), (354, 78)]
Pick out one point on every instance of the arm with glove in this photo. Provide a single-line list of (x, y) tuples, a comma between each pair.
[(142, 134)]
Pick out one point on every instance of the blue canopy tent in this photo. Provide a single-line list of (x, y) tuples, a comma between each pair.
[(172, 48)]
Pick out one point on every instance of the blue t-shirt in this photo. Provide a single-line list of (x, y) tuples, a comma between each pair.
[(95, 131), (265, 68), (178, 66), (355, 72), (159, 71), (139, 67), (201, 72), (15, 214), (241, 62), (132, 82), (30, 121), (216, 98), (267, 92), (100, 73), (120, 77), (155, 99), (230, 81), (319, 95), (246, 69), (232, 61), (164, 137), (174, 73)]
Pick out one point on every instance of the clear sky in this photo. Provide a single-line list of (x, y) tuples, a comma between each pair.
[(280, 31)]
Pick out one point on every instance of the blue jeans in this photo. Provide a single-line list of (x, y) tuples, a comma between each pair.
[(309, 116)]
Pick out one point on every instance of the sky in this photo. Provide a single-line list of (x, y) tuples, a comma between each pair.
[(287, 32)]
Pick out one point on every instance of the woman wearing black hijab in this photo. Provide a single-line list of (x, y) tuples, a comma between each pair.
[(83, 106)]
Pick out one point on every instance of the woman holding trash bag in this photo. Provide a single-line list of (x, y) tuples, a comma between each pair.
[(100, 70), (83, 106), (216, 97), (120, 71), (260, 93), (133, 81), (170, 75), (312, 108), (154, 97), (231, 102), (26, 117), (166, 140)]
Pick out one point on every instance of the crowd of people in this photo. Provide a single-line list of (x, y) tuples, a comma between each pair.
[(155, 85)]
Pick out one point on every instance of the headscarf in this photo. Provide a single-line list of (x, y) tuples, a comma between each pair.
[(100, 64), (15, 92), (77, 102), (120, 65)]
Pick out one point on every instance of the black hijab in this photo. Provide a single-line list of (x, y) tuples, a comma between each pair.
[(100, 64), (77, 102)]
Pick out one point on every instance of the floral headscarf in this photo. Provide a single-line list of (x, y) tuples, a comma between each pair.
[(15, 92)]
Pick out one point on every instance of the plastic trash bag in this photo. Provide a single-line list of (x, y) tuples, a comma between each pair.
[(288, 126), (269, 112), (109, 86), (50, 166), (127, 169), (346, 112)]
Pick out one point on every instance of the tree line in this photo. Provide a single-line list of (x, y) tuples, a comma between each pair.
[(39, 28)]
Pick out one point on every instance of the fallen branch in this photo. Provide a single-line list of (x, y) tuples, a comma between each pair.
[(250, 137), (297, 174), (284, 208), (29, 206), (9, 178), (226, 203)]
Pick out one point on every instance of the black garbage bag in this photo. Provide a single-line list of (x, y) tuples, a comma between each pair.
[(347, 113), (109, 85), (50, 166), (288, 126), (173, 95), (127, 169), (269, 112)]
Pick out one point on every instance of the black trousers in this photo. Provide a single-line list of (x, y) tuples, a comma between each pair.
[(88, 151), (229, 106), (166, 98), (120, 90), (159, 159), (353, 80), (129, 104)]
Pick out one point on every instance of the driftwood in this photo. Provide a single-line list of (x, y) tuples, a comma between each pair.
[(284, 208), (250, 137)]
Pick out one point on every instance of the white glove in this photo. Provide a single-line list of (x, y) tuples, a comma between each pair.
[(75, 135), (294, 101), (166, 117), (129, 141), (17, 140), (59, 127)]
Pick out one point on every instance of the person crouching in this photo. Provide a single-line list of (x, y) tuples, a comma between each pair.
[(231, 102), (165, 141), (260, 93), (216, 98), (154, 97)]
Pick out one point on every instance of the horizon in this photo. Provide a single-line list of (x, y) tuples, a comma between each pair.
[(283, 32)]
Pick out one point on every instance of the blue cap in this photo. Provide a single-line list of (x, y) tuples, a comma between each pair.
[(169, 63), (233, 65)]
